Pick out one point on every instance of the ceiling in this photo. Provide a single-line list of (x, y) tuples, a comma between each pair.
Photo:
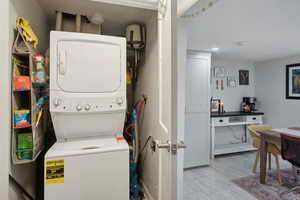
[(253, 30), (115, 17)]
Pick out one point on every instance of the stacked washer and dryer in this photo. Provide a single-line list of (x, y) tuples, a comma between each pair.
[(90, 159)]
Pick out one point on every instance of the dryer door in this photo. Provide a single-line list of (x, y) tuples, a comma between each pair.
[(89, 66)]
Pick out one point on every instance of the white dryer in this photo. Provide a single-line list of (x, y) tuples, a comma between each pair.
[(90, 160)]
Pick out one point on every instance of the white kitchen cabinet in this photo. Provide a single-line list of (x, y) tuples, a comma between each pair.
[(230, 120), (197, 113)]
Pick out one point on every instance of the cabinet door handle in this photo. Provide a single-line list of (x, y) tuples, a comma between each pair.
[(62, 62)]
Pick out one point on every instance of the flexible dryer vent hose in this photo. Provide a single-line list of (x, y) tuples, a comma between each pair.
[(136, 141)]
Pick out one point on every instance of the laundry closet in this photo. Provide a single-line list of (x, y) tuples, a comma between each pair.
[(142, 29)]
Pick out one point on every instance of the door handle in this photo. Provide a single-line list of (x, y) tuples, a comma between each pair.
[(166, 145), (171, 147), (62, 62)]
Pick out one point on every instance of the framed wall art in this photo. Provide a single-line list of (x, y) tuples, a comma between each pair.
[(293, 81), (219, 72), (244, 77), (232, 82)]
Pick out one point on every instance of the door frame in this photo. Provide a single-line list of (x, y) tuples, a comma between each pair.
[(5, 77), (176, 159)]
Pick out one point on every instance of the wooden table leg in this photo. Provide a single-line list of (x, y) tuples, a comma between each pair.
[(263, 160), (270, 161)]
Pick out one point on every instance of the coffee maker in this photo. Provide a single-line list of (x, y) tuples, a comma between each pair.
[(248, 104)]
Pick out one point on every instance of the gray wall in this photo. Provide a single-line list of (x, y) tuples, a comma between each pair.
[(270, 89), (233, 96)]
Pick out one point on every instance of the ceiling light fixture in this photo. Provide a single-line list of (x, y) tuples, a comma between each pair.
[(214, 49)]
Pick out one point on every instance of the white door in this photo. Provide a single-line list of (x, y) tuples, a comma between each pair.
[(197, 116), (168, 137)]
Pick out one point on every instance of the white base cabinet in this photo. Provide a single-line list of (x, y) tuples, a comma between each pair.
[(229, 122)]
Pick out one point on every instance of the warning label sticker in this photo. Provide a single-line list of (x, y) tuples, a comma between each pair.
[(55, 171)]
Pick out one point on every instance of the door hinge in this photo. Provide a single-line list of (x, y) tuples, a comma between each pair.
[(171, 147), (162, 8)]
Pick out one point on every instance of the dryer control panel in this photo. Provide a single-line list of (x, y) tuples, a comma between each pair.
[(64, 104)]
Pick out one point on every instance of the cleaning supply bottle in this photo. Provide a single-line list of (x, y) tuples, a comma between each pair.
[(39, 74)]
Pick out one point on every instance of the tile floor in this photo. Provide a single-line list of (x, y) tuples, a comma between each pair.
[(214, 182)]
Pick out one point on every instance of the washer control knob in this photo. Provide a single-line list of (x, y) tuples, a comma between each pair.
[(57, 102), (87, 107), (119, 101), (78, 108)]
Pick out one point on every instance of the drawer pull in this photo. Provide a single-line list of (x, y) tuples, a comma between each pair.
[(254, 118), (221, 120)]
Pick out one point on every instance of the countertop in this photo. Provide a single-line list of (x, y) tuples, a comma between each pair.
[(235, 113)]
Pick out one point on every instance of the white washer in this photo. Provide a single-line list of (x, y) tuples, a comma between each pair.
[(88, 104), (93, 169)]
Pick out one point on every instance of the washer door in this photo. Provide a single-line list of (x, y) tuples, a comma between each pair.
[(89, 66)]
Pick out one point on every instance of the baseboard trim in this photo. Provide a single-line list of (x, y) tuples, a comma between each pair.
[(146, 191)]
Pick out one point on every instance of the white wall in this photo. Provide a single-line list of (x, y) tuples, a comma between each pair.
[(30, 9), (270, 90), (233, 96), (5, 98)]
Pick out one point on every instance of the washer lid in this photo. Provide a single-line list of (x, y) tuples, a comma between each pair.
[(89, 65), (84, 147)]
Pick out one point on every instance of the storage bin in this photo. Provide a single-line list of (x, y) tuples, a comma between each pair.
[(22, 118), (21, 83), (24, 146)]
